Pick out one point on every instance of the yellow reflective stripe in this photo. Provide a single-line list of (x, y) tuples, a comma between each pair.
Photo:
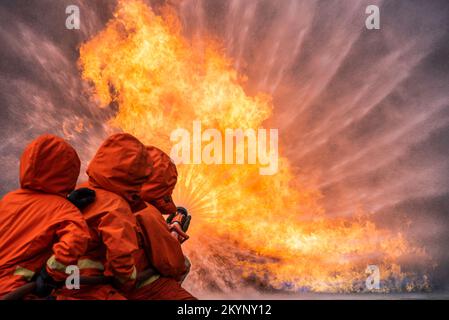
[(90, 264), (54, 264), (148, 281), (133, 276), (24, 272)]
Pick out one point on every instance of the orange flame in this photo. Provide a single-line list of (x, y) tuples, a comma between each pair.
[(247, 228)]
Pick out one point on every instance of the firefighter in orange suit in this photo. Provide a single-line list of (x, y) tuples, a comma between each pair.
[(41, 231), (116, 174), (163, 250)]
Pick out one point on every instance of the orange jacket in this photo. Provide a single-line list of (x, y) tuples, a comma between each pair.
[(164, 251), (38, 225), (116, 173)]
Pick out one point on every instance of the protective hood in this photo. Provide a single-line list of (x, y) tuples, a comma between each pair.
[(120, 165), (49, 164), (158, 189)]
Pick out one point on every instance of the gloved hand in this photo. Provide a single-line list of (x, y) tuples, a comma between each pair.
[(182, 217), (82, 197), (177, 232), (178, 224), (45, 284)]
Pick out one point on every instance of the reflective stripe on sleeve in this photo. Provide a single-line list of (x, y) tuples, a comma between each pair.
[(90, 264), (24, 272), (54, 264), (148, 281), (133, 276)]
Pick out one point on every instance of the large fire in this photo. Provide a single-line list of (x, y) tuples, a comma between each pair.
[(247, 229)]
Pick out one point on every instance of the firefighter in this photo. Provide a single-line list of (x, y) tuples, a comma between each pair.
[(41, 230), (116, 173), (163, 241)]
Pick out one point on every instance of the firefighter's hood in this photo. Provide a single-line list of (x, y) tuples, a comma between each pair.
[(120, 165), (162, 180), (49, 164)]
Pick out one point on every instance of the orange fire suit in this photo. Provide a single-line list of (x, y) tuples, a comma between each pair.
[(38, 225), (116, 173), (163, 251)]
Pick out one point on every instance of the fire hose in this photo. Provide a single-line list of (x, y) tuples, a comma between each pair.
[(30, 287), (179, 223)]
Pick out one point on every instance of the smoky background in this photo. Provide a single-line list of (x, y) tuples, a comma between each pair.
[(363, 112)]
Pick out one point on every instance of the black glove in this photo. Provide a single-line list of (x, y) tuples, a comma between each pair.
[(45, 284), (82, 197)]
